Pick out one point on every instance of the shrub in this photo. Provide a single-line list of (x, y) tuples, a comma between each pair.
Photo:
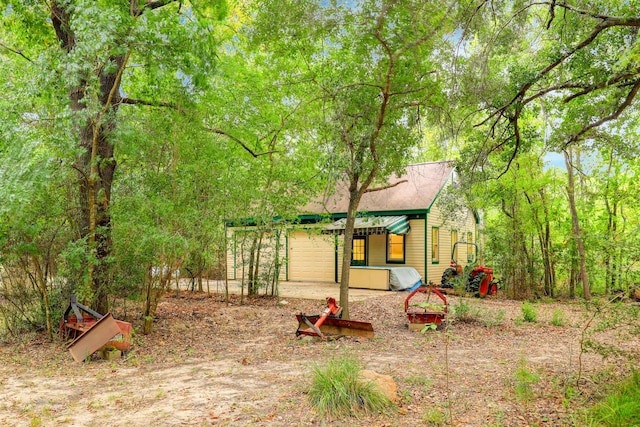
[(337, 392), (529, 313)]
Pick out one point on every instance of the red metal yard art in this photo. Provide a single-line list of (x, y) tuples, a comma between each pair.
[(425, 314)]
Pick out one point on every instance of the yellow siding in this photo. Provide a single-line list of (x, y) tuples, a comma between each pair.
[(414, 248), (463, 223), (377, 250), (230, 271), (311, 256), (239, 246)]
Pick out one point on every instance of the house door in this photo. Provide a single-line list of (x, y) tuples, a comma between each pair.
[(359, 251)]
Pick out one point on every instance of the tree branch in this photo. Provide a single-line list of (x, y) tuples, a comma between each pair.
[(628, 100), (591, 14), (607, 22), (610, 82), (133, 101), (17, 52), (136, 9), (238, 141), (384, 187)]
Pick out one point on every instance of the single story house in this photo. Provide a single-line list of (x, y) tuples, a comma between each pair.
[(401, 225)]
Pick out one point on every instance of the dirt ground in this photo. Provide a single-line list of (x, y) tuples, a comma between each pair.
[(210, 364)]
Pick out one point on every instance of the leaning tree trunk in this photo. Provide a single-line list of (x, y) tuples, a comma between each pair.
[(95, 164), (576, 226), (355, 195)]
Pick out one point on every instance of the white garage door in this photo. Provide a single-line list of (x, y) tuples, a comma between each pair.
[(311, 257)]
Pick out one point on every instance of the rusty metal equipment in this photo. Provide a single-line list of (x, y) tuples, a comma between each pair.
[(329, 323), (420, 315), (79, 319), (480, 280), (94, 338)]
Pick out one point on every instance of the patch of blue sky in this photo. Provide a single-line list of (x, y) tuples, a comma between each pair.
[(554, 160)]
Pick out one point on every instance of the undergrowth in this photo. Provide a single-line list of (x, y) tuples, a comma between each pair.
[(529, 313), (620, 407), (464, 311), (337, 392)]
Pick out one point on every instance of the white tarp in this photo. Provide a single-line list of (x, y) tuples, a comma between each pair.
[(403, 278)]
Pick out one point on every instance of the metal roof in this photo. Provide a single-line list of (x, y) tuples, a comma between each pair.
[(366, 225)]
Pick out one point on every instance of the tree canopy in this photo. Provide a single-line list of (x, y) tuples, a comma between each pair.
[(131, 131)]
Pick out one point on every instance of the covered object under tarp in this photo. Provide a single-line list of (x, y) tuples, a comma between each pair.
[(403, 278)]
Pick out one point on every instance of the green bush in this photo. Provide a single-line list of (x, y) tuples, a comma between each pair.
[(529, 313), (337, 392)]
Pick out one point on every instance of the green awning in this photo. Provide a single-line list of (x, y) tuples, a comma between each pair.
[(366, 225)]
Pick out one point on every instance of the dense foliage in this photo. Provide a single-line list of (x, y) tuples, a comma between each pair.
[(130, 131)]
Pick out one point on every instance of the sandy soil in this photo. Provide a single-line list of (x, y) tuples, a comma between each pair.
[(209, 363)]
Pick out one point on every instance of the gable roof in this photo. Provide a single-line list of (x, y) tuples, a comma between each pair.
[(423, 183)]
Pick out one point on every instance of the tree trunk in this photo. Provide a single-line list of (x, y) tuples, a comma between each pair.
[(549, 273), (352, 210), (276, 273), (576, 224), (251, 279), (96, 164), (614, 249), (256, 273), (41, 281)]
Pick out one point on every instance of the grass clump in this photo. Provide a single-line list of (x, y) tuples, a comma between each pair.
[(621, 407), (558, 318), (466, 312), (525, 379), (434, 417), (529, 313), (337, 392), (494, 318)]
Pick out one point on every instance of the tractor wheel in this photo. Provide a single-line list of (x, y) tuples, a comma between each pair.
[(483, 289), (447, 277), (479, 285), (493, 289)]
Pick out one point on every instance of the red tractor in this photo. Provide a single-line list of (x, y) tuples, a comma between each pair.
[(480, 279)]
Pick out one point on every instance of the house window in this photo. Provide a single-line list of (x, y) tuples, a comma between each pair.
[(470, 249), (395, 248), (359, 251), (435, 245), (454, 248)]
